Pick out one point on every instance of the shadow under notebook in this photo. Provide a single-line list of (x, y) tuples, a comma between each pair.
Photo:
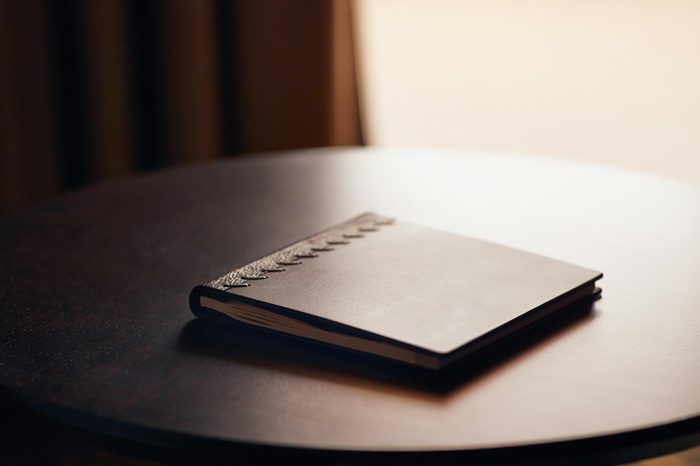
[(275, 351)]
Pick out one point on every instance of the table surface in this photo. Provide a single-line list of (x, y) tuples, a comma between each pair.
[(96, 329)]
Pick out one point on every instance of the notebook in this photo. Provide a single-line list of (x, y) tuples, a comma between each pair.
[(396, 290)]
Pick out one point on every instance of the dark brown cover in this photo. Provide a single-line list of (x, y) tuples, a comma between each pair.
[(422, 288)]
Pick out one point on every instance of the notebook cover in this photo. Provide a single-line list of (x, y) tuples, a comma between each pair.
[(426, 288)]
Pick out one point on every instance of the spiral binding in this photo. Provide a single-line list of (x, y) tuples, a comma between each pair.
[(310, 248)]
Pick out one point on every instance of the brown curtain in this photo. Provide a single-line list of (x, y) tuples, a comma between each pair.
[(96, 89)]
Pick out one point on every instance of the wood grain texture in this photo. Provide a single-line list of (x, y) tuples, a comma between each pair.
[(96, 328)]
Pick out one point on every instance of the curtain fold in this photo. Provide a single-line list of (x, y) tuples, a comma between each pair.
[(97, 89), (29, 167), (108, 88), (189, 51)]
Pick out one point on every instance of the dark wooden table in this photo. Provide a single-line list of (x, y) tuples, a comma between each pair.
[(96, 333)]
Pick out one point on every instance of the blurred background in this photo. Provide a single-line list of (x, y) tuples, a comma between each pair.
[(614, 82), (92, 90), (98, 89)]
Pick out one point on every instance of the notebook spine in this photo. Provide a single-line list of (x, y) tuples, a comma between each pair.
[(295, 254)]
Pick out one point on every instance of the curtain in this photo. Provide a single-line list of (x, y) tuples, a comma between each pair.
[(97, 89)]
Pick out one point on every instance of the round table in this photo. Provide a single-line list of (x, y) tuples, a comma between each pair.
[(96, 330)]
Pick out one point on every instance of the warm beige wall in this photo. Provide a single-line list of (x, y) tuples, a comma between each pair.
[(606, 81)]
